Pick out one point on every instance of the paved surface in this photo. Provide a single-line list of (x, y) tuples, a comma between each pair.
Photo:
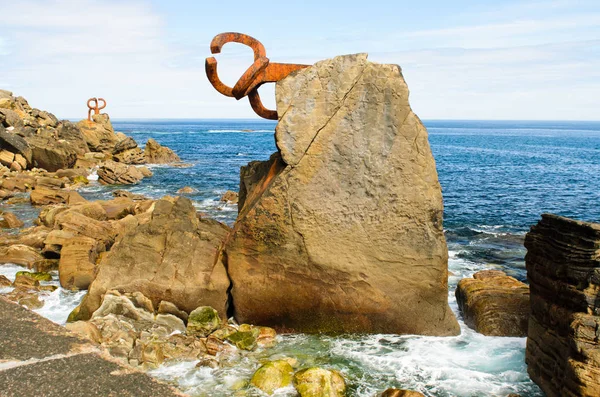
[(41, 358)]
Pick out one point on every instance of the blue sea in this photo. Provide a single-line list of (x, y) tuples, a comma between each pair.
[(497, 177)]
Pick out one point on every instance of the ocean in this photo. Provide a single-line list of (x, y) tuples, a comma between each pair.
[(497, 177)]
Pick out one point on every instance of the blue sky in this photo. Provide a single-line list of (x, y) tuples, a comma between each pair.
[(462, 59)]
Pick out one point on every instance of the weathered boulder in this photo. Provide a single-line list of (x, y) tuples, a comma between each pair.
[(370, 254), (50, 153), (172, 257), (8, 220), (494, 304), (319, 382), (272, 376), (77, 266), (99, 133), (230, 197), (157, 154), (113, 173), (15, 144), (563, 340), (127, 151), (202, 321), (69, 132), (19, 255), (42, 195)]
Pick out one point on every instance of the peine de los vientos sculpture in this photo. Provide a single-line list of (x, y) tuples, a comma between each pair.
[(341, 230)]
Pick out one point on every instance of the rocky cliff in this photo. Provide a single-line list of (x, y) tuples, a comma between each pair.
[(563, 268), (341, 231)]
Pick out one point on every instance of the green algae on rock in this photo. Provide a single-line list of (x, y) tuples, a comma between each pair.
[(319, 382), (203, 321), (40, 276), (272, 376)]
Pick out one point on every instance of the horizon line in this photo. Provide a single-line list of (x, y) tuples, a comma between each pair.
[(275, 121)]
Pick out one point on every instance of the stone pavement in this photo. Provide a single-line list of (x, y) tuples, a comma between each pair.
[(41, 358)]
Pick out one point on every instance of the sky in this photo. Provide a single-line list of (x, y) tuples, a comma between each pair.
[(476, 60)]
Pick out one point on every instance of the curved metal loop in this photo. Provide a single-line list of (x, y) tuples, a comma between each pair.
[(260, 72), (95, 107)]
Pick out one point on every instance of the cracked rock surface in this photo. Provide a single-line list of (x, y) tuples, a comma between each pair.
[(341, 230)]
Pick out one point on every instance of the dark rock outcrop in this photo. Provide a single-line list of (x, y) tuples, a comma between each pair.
[(494, 304), (563, 344), (369, 255)]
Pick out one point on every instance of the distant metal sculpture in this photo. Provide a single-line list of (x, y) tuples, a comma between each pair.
[(95, 107), (259, 73)]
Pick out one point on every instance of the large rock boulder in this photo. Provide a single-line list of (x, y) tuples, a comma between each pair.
[(113, 173), (99, 133), (494, 304), (15, 144), (319, 382), (272, 376), (157, 154), (563, 341), (173, 257), (345, 222), (50, 153)]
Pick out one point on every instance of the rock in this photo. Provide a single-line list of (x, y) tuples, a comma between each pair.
[(183, 347), (23, 280), (187, 190), (272, 376), (173, 323), (33, 237), (26, 298), (202, 321), (145, 171), (39, 276), (15, 144), (118, 208), (401, 393), (114, 303), (173, 257), (166, 307), (125, 193), (85, 329), (157, 154), (77, 266), (127, 143), (99, 133), (45, 265), (6, 158), (319, 382), (230, 197), (131, 156), (113, 173), (267, 337), (19, 255), (244, 340), (494, 304), (563, 341), (44, 196), (207, 362), (51, 154), (71, 133), (51, 183), (370, 254), (4, 281), (8, 220), (216, 346)]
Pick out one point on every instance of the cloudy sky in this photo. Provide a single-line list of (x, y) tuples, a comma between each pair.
[(532, 60)]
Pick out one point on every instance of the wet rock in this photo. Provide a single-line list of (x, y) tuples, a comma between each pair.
[(319, 382), (145, 171), (45, 196), (24, 281), (24, 297), (45, 265), (272, 376), (39, 276), (230, 197), (166, 307), (358, 147), (125, 193), (187, 190), (19, 255), (85, 329), (113, 173), (4, 281), (183, 347), (172, 257), (8, 220), (157, 154), (209, 362), (215, 346), (494, 304), (563, 340), (401, 393), (202, 321), (244, 340)]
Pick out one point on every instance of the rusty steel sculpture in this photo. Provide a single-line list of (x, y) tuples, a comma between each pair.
[(93, 104), (260, 72)]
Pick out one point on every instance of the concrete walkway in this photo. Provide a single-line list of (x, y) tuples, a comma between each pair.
[(41, 358)]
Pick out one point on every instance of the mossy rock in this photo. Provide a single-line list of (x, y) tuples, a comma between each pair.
[(244, 340), (81, 179), (80, 313), (39, 276), (319, 382), (272, 376), (223, 333), (203, 321)]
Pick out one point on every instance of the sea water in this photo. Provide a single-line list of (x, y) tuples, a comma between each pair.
[(497, 178)]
